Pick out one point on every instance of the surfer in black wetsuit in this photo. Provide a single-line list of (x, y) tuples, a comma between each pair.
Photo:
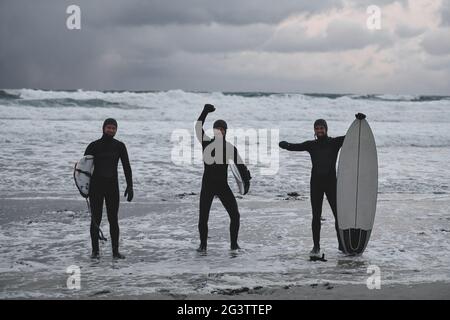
[(217, 153), (323, 151), (105, 186)]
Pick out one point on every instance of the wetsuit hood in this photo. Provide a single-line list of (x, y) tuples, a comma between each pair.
[(109, 121), (220, 124), (321, 122)]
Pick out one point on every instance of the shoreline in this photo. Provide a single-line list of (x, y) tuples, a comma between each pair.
[(325, 291), (272, 266)]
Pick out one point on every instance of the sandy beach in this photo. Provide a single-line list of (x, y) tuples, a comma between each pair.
[(42, 237), (327, 291)]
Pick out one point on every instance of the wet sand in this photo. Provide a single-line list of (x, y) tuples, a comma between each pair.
[(328, 291), (41, 237)]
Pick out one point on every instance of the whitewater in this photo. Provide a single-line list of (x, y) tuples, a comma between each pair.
[(44, 222)]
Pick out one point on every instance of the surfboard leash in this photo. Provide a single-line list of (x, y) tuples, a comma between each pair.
[(100, 233)]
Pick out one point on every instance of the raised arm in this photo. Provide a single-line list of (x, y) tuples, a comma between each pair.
[(339, 141), (199, 132), (304, 146)]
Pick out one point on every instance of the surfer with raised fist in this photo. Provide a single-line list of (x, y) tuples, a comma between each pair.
[(105, 186), (323, 151), (217, 154)]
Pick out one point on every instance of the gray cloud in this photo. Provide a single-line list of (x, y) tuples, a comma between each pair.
[(405, 31), (200, 38), (37, 49), (234, 12), (445, 13), (441, 63), (207, 45), (339, 36), (437, 42)]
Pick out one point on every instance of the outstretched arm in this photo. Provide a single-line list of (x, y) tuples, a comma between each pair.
[(304, 146), (199, 132), (339, 141)]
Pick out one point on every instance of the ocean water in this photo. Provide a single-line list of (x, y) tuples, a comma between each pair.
[(43, 133)]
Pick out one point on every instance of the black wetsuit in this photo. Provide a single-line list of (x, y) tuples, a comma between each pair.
[(104, 185), (215, 182), (323, 152)]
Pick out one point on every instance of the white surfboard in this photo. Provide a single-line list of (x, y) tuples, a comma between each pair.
[(357, 187), (82, 174), (238, 178)]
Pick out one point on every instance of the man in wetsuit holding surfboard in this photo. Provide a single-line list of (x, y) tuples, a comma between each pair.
[(323, 151), (217, 153), (105, 185)]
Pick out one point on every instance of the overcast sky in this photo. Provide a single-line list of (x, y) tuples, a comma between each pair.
[(227, 45)]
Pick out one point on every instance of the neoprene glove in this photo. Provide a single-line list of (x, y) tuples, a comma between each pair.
[(283, 144), (209, 108), (360, 116), (129, 193)]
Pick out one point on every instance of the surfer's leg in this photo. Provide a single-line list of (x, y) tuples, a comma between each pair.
[(112, 200), (331, 196), (96, 196), (316, 195), (206, 198), (228, 200)]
